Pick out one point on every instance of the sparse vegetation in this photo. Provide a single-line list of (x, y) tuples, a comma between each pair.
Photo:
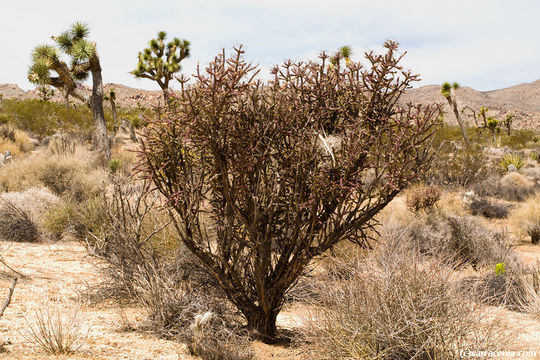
[(55, 328), (397, 305)]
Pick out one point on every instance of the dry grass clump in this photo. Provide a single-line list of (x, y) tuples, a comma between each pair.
[(77, 220), (16, 224), (34, 201), (70, 177), (526, 218), (14, 140), (213, 340), (512, 186), (56, 328), (460, 238), (516, 289), (396, 304), (422, 197)]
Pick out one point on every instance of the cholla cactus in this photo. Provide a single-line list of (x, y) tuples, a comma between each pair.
[(48, 68), (159, 62)]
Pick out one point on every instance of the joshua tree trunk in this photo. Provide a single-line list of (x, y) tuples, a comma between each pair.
[(113, 109), (453, 104), (95, 102)]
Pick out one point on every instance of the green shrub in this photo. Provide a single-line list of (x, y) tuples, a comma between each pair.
[(512, 159), (114, 165)]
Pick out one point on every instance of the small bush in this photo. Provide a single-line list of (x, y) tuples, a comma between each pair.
[(460, 238), (69, 177), (423, 197), (212, 340), (515, 289), (397, 305), (485, 208), (114, 165), (56, 329), (526, 219), (35, 201), (512, 186), (455, 166), (16, 224)]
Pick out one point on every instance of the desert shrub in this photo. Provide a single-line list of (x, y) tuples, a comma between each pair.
[(460, 238), (44, 118), (78, 220), (34, 201), (487, 209), (56, 328), (61, 144), (114, 165), (512, 186), (526, 219), (458, 166), (516, 288), (16, 224), (397, 305), (7, 132), (70, 177), (512, 159), (422, 197), (212, 340)]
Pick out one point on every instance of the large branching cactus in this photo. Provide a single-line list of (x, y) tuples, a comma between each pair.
[(159, 62), (257, 188), (48, 68)]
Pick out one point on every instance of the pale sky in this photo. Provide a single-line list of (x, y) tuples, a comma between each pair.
[(486, 45)]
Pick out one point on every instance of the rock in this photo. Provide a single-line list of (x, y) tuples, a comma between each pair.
[(512, 168), (469, 197)]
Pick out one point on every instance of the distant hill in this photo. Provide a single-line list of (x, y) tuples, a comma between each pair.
[(522, 100)]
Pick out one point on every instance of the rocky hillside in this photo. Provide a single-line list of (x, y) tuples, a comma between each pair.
[(522, 100), (125, 96)]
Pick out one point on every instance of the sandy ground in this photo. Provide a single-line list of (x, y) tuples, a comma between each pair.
[(63, 271)]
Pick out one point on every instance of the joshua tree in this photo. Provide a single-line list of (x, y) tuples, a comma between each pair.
[(508, 122), (111, 97), (159, 62), (256, 189), (345, 53), (45, 92), (84, 61), (447, 91), (493, 126)]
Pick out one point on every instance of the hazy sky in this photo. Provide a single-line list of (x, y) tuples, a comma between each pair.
[(482, 44)]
